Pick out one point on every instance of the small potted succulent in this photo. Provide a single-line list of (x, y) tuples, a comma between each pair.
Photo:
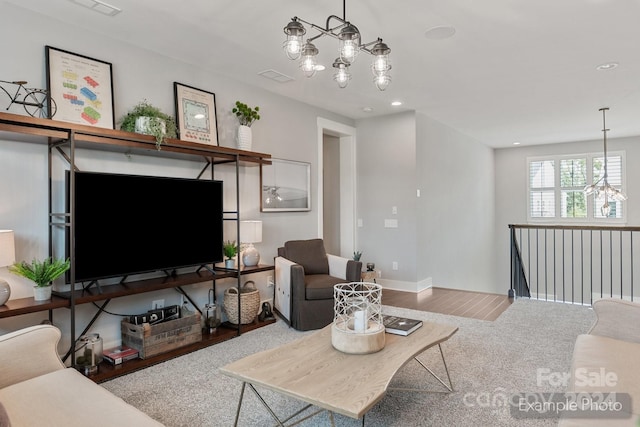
[(42, 273), (149, 120), (230, 249), (246, 116)]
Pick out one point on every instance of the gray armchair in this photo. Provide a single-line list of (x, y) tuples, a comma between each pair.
[(305, 275)]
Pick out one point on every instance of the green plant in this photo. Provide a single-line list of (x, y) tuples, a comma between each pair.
[(357, 255), (229, 248), (155, 127), (42, 273), (245, 114)]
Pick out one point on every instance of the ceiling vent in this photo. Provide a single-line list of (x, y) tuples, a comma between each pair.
[(98, 6), (275, 75)]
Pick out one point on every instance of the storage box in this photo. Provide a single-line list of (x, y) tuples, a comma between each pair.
[(150, 340)]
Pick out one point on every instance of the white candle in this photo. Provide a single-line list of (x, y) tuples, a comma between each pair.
[(360, 320)]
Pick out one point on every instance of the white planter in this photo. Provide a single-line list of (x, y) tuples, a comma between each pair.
[(244, 138), (142, 125), (229, 263), (42, 293)]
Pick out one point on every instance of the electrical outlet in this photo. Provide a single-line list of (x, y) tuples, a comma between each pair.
[(155, 304), (394, 265), (270, 281)]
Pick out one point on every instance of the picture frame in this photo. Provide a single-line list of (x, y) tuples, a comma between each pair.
[(82, 88), (196, 114), (285, 186)]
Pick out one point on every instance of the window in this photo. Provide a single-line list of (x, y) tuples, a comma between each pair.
[(556, 185)]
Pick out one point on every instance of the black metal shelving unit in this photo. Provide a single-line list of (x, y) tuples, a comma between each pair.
[(61, 136)]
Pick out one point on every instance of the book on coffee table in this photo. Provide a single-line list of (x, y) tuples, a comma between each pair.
[(400, 325)]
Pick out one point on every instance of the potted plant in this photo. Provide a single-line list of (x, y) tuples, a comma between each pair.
[(357, 255), (230, 249), (42, 273), (246, 116), (149, 120)]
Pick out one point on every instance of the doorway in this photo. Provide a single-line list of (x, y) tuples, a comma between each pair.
[(336, 217)]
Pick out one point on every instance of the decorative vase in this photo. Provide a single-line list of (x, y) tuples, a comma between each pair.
[(42, 293), (143, 125), (244, 138), (5, 292)]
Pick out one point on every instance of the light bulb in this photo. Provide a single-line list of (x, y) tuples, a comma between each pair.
[(342, 77), (308, 63), (605, 209), (292, 47), (349, 43), (348, 51), (380, 65), (382, 81)]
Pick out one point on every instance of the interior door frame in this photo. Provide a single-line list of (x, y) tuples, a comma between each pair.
[(347, 136)]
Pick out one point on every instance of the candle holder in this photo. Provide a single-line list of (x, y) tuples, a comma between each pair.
[(357, 323)]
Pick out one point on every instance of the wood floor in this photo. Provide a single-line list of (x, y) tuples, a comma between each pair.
[(476, 305)]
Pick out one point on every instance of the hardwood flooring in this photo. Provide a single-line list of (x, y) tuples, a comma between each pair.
[(476, 305)]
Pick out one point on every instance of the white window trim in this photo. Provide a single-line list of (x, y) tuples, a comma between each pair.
[(590, 219)]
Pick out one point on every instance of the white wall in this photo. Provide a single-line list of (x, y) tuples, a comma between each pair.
[(511, 188), (386, 178), (287, 130), (456, 209)]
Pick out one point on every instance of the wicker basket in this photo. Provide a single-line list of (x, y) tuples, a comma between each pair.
[(249, 301)]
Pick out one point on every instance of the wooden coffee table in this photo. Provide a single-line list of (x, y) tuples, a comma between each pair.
[(311, 370)]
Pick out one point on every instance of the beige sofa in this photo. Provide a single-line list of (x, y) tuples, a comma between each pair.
[(607, 359), (37, 390)]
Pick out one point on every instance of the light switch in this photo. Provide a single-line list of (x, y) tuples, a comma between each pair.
[(394, 210), (390, 223), (359, 222)]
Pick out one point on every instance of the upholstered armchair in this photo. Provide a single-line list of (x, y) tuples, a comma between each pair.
[(305, 275)]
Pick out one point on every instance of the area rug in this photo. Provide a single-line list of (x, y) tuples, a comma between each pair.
[(529, 344)]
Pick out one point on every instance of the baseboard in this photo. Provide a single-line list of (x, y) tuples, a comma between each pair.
[(398, 285)]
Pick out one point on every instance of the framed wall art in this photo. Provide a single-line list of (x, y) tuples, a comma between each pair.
[(285, 186), (196, 114), (82, 88)]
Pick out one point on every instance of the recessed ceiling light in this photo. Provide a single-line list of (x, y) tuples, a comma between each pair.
[(440, 32), (607, 66), (319, 67), (367, 109), (396, 103), (516, 143)]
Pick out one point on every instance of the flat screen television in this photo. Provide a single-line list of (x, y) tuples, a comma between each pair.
[(132, 224)]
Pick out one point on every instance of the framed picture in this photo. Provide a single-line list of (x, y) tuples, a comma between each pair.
[(82, 88), (286, 186), (196, 114)]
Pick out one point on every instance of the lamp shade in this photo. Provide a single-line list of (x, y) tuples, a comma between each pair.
[(7, 248), (250, 231)]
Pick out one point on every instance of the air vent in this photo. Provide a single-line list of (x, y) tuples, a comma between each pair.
[(98, 6), (275, 75)]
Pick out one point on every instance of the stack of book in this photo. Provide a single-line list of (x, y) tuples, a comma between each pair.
[(120, 354), (400, 325)]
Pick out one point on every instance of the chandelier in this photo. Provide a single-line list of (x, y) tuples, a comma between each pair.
[(350, 45), (601, 186)]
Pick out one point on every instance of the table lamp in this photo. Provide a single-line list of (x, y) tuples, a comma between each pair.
[(250, 233), (7, 258)]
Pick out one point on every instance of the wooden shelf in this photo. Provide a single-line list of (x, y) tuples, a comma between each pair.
[(84, 136), (19, 306), (225, 332)]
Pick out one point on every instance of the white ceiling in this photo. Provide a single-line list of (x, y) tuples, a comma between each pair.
[(515, 70)]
